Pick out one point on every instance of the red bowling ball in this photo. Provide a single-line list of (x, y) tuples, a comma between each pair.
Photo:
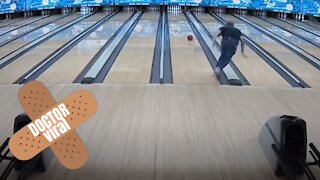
[(190, 37)]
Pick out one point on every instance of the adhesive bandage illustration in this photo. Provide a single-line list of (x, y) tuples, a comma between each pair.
[(53, 124)]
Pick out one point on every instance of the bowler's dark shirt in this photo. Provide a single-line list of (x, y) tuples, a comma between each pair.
[(229, 31)]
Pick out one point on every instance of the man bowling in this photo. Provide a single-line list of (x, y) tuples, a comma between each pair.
[(229, 43)]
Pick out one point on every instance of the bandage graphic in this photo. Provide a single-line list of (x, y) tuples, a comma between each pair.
[(53, 124)]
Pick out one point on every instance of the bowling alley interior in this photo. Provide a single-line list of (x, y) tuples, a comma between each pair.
[(127, 90)]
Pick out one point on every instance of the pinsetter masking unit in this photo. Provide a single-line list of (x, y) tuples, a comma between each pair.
[(284, 142)]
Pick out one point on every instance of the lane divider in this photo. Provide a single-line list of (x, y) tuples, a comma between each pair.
[(20, 26), (26, 48), (46, 63)]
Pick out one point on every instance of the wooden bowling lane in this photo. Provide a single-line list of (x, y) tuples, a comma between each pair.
[(304, 25), (189, 63), (254, 68), (31, 26), (170, 132), (6, 22), (134, 63), (18, 43), (66, 69), (19, 23), (312, 49), (16, 69), (294, 62), (293, 28), (314, 24)]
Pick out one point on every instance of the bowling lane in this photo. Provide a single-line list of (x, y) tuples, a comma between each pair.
[(18, 23), (31, 26), (254, 68), (18, 43), (66, 69), (189, 63), (134, 63), (304, 25), (312, 49), (6, 22), (16, 69), (298, 65), (315, 24), (297, 30)]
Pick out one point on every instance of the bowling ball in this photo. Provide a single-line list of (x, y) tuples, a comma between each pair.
[(190, 37)]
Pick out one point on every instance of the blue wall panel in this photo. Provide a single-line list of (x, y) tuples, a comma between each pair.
[(310, 7), (87, 2), (189, 2), (44, 4), (232, 3), (12, 5), (146, 2), (299, 6), (278, 5)]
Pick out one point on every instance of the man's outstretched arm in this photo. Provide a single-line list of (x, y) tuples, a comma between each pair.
[(242, 47), (242, 44)]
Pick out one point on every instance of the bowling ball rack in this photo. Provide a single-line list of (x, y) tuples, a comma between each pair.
[(284, 142), (37, 163)]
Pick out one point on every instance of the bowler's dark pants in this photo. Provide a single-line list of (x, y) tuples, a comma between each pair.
[(228, 49)]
